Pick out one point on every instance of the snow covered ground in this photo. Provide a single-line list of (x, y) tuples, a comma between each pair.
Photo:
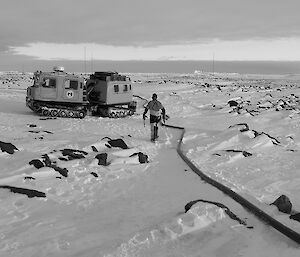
[(85, 206)]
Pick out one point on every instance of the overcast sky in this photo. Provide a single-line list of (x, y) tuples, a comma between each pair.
[(150, 30)]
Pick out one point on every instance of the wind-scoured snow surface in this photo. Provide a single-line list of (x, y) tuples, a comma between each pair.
[(66, 191)]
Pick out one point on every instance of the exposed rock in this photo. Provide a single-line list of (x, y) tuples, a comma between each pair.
[(295, 217), (246, 154), (29, 177), (47, 160), (48, 163), (94, 174), (225, 208), (283, 204), (256, 133), (8, 147), (118, 143), (232, 103), (244, 126), (48, 132), (37, 163), (61, 171), (40, 131), (102, 159), (94, 149), (73, 154), (106, 138), (63, 159), (29, 192), (34, 131), (31, 125), (274, 140), (143, 158)]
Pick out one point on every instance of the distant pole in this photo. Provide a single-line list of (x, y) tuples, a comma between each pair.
[(213, 63), (84, 59), (92, 64)]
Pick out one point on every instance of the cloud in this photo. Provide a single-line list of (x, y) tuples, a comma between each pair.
[(275, 49), (144, 23)]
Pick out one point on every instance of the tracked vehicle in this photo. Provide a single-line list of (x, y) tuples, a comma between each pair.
[(59, 94)]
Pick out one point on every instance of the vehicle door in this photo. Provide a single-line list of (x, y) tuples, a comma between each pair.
[(48, 88), (71, 90)]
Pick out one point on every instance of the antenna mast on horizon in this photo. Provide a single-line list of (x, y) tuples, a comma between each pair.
[(84, 59), (92, 64), (213, 63)]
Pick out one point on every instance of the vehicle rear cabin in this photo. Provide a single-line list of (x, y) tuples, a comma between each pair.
[(109, 88)]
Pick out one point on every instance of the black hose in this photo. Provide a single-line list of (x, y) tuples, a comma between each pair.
[(140, 97), (245, 203)]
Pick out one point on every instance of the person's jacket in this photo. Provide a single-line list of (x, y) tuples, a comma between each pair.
[(155, 107)]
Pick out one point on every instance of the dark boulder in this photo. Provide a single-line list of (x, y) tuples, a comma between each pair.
[(232, 103), (102, 159), (73, 154), (283, 204), (8, 147), (36, 163), (118, 143), (143, 158), (95, 174), (48, 163), (46, 160), (25, 191), (242, 126), (295, 217), (63, 159), (245, 153), (34, 131), (220, 205), (48, 132), (31, 125), (94, 149), (61, 171), (29, 178)]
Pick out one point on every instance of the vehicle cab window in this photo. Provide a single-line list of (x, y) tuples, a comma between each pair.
[(116, 88), (71, 84), (49, 83)]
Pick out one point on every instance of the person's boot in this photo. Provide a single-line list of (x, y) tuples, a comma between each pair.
[(155, 132)]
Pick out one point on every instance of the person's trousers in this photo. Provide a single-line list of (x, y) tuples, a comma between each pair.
[(154, 120), (154, 130)]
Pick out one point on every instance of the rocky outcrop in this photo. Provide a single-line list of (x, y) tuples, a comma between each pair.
[(225, 208), (8, 147), (25, 191), (102, 159), (283, 204)]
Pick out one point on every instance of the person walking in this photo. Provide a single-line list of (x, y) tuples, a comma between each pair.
[(156, 111)]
